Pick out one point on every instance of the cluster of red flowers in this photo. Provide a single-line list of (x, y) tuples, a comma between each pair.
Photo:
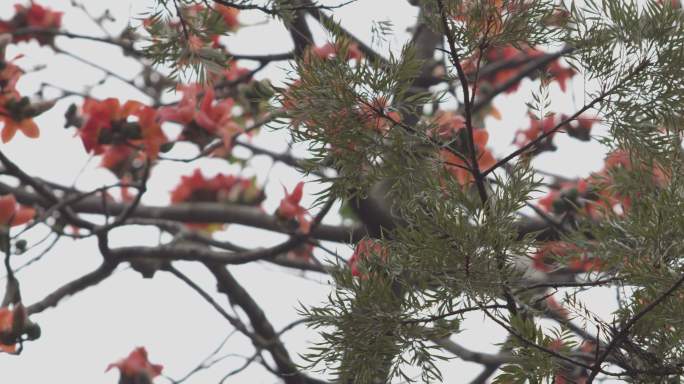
[(510, 54), (451, 127), (16, 111), (579, 128), (593, 196), (106, 130), (221, 188), (122, 133), (33, 16), (136, 368)]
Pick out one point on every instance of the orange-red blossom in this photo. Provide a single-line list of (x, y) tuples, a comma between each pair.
[(365, 249), (290, 208), (214, 117), (450, 125), (11, 320), (33, 16), (12, 214), (16, 112), (137, 365), (101, 116)]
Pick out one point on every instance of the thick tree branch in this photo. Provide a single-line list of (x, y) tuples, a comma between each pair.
[(474, 357), (193, 213), (456, 62), (240, 297), (88, 280)]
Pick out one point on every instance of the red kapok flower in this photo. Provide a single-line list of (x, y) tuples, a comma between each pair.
[(184, 111), (40, 17), (450, 128), (233, 71), (152, 135), (216, 118), (213, 118), (12, 213), (537, 127), (17, 113), (229, 15), (220, 188), (34, 16), (377, 116), (302, 253), (115, 156), (331, 50), (137, 365), (547, 201), (13, 323), (98, 116), (6, 325), (504, 54), (459, 168), (553, 305), (364, 249), (106, 125), (289, 208), (9, 75), (448, 125), (10, 127), (560, 74)]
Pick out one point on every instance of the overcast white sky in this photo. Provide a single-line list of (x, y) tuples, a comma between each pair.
[(88, 331)]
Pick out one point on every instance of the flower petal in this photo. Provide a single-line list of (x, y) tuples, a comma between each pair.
[(29, 128)]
